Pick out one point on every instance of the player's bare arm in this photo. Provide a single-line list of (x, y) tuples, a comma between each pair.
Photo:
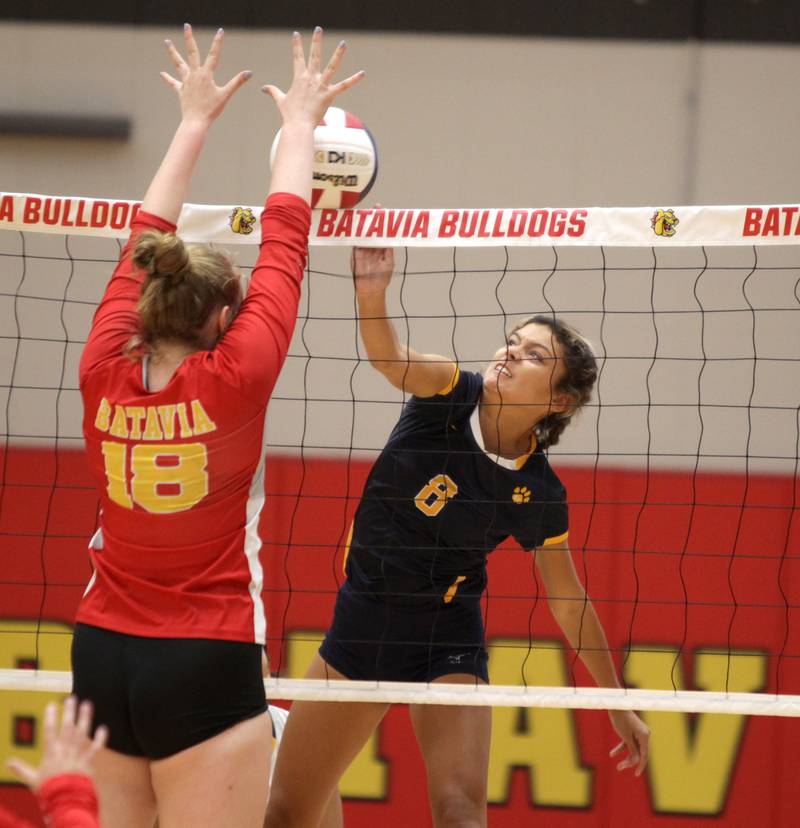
[(575, 614), (421, 374)]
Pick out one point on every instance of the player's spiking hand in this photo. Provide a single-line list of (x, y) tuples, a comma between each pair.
[(372, 269), (200, 97), (312, 90)]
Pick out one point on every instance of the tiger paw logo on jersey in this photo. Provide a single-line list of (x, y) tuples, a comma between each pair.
[(522, 494), (663, 222), (242, 220)]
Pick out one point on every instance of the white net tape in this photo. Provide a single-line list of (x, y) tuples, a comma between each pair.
[(611, 226), (475, 695)]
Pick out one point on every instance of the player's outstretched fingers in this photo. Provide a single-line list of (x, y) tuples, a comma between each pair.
[(49, 730), (333, 63), (340, 87), (84, 749), (177, 60), (84, 722), (23, 771), (214, 53), (276, 94), (170, 81), (315, 52), (72, 719), (192, 52), (99, 741), (298, 55), (235, 83)]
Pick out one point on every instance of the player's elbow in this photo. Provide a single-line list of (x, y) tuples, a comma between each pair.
[(392, 369)]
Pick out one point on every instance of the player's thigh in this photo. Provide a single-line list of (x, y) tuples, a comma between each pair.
[(319, 742), (333, 817), (221, 781), (455, 742), (124, 790)]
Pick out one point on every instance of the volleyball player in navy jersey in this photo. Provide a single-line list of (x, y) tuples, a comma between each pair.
[(464, 468)]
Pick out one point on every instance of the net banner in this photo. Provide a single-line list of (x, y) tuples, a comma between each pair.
[(371, 227)]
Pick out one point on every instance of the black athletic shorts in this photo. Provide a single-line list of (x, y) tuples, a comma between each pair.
[(159, 696), (372, 638)]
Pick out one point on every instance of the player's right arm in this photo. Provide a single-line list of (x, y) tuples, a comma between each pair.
[(201, 102), (423, 375)]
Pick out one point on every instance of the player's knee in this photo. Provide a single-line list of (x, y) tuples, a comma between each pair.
[(459, 806), (280, 813)]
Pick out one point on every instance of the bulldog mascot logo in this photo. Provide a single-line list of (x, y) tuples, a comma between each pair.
[(242, 220), (663, 222)]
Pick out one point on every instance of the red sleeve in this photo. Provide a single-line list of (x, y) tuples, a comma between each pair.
[(116, 319), (254, 348), (8, 820), (69, 801)]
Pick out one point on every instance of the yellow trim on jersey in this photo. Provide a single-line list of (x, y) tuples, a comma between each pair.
[(347, 548), (555, 540), (450, 385), (521, 461), (451, 591)]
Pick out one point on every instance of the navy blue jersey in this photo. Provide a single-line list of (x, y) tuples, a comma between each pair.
[(435, 504)]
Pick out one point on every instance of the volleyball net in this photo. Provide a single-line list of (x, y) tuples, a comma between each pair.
[(681, 473)]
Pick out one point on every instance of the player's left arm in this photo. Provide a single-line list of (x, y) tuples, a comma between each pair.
[(575, 614)]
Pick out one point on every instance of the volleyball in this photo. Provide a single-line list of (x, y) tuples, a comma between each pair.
[(345, 160)]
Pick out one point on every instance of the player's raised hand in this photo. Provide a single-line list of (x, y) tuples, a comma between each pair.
[(200, 97), (313, 89), (635, 735), (68, 749)]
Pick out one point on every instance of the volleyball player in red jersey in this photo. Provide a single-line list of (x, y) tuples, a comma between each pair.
[(175, 378)]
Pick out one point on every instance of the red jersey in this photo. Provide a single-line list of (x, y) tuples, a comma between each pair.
[(180, 470), (66, 801)]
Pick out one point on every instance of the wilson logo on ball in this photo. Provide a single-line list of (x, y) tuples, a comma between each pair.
[(345, 160)]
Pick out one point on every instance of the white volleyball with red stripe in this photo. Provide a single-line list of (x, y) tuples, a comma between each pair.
[(345, 160)]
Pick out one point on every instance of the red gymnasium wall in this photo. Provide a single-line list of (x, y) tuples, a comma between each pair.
[(647, 549)]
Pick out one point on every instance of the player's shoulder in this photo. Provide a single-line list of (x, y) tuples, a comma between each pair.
[(111, 376), (470, 383), (456, 399)]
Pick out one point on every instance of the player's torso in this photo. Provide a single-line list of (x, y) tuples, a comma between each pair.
[(181, 491), (173, 465), (435, 504)]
